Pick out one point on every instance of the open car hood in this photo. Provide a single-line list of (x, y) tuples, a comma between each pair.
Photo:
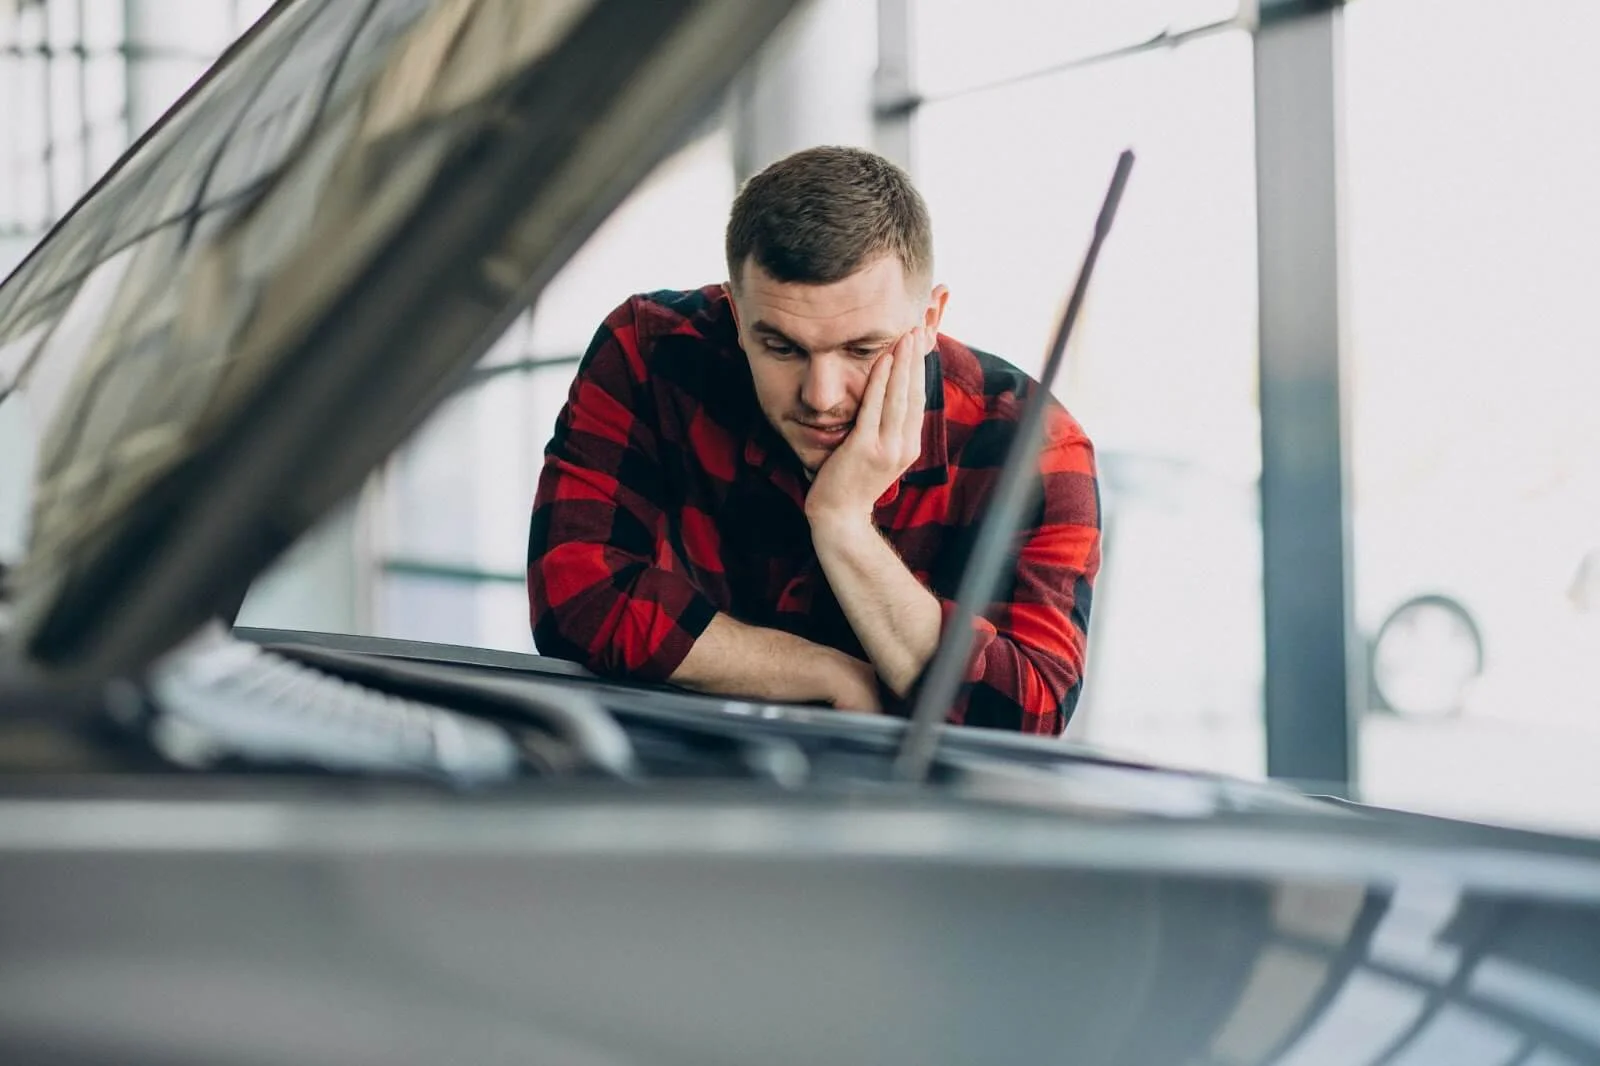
[(277, 284)]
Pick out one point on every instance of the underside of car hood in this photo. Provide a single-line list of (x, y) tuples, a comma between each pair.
[(233, 376)]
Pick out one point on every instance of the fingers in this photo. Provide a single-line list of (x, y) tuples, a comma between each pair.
[(907, 394), (905, 430), (896, 395), (854, 686), (869, 417), (861, 690)]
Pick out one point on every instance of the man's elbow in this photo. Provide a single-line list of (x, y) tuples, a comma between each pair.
[(1058, 699), (1027, 691), (583, 631), (570, 621), (624, 627), (554, 640)]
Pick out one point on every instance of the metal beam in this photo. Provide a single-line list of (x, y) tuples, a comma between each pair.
[(1304, 531)]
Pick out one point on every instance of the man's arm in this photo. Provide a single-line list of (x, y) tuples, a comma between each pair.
[(604, 589), (894, 617), (897, 620), (1028, 661), (732, 658)]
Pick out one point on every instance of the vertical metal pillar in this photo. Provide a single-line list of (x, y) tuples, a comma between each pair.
[(895, 81), (812, 85), (47, 60), (1304, 529), (86, 174), (133, 38)]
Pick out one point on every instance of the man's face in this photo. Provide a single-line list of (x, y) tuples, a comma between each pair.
[(811, 347)]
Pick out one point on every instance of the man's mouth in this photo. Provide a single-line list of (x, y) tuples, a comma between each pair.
[(823, 434)]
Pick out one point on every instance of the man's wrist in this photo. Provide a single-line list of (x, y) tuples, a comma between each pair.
[(735, 658), (840, 526)]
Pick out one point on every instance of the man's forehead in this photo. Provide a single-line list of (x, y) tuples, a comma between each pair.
[(873, 299)]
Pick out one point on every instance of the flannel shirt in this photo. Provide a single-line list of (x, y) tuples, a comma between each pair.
[(666, 496)]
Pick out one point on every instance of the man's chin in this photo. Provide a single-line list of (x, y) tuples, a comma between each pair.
[(812, 459), (810, 456)]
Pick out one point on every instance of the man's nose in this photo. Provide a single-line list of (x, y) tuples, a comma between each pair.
[(825, 385)]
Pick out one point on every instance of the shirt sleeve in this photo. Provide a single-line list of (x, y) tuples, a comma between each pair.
[(1028, 660), (603, 587)]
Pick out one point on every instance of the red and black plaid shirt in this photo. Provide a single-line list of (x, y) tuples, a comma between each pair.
[(666, 496)]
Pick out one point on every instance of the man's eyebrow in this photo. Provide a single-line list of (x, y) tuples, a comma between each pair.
[(875, 337), (772, 331)]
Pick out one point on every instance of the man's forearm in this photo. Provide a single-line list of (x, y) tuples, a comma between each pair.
[(895, 618), (735, 659)]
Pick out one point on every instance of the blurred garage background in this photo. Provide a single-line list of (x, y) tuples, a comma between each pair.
[(1340, 362)]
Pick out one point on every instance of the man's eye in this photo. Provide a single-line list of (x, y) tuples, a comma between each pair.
[(865, 353), (776, 348)]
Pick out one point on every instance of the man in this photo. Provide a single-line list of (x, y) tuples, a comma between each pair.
[(770, 488)]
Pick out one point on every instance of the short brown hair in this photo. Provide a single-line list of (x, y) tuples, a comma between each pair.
[(819, 215)]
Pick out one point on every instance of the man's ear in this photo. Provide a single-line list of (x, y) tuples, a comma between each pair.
[(936, 304)]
